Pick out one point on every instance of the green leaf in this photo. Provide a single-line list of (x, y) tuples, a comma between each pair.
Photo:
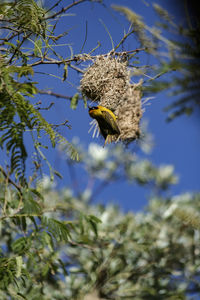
[(21, 245), (24, 71), (58, 174), (74, 101), (11, 44), (15, 295), (30, 205), (23, 223), (21, 71), (19, 262), (38, 47), (95, 219), (34, 191), (45, 270), (65, 74), (58, 229), (47, 240), (85, 101), (63, 266)]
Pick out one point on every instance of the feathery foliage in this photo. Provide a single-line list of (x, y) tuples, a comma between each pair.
[(19, 115), (180, 53), (72, 259)]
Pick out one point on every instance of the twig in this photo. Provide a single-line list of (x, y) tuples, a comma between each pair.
[(10, 180), (85, 39), (123, 39), (20, 216), (5, 40), (45, 108), (62, 124), (128, 52), (64, 9), (82, 57), (51, 8), (112, 43), (72, 243), (76, 69), (53, 61), (156, 76), (11, 28), (18, 47), (42, 92)]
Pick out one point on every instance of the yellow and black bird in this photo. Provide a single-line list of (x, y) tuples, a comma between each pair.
[(106, 120)]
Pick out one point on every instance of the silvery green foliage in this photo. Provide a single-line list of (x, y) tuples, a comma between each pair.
[(57, 245), (147, 255), (117, 162)]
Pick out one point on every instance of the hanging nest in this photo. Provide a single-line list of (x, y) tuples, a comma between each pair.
[(107, 82)]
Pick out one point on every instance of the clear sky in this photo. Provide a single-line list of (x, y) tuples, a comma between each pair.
[(176, 143)]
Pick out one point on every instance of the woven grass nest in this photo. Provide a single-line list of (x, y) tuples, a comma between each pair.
[(107, 82)]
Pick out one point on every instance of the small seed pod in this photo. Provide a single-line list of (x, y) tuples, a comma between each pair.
[(107, 82)]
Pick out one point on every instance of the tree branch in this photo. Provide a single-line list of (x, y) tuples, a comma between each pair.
[(8, 39), (53, 61), (42, 92), (82, 57), (64, 9), (123, 39), (10, 180), (51, 8), (18, 47)]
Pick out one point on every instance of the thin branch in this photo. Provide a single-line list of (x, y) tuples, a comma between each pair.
[(10, 180), (85, 39), (62, 124), (95, 48), (45, 108), (64, 9), (123, 39), (82, 57), (156, 76), (5, 40), (42, 92), (18, 47), (11, 28), (92, 248), (76, 69), (128, 52), (53, 61), (16, 215), (51, 8), (107, 33)]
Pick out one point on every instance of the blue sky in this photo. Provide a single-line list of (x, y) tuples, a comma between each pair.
[(176, 143)]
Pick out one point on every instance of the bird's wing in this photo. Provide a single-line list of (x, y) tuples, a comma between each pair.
[(111, 122)]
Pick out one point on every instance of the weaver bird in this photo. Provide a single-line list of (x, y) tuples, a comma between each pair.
[(106, 121)]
